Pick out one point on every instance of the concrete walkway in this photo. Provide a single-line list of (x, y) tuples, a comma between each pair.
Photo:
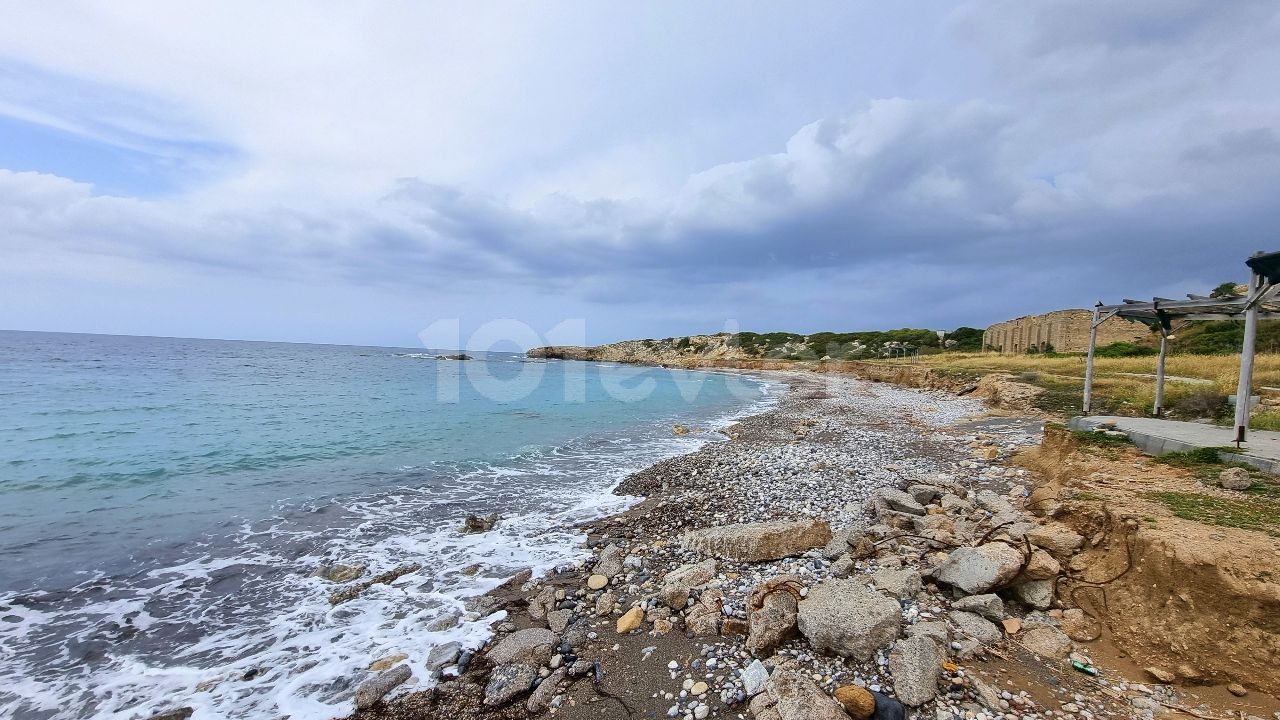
[(1157, 437)]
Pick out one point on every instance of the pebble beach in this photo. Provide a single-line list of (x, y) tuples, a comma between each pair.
[(849, 553)]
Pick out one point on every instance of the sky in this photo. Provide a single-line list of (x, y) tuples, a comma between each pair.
[(362, 172)]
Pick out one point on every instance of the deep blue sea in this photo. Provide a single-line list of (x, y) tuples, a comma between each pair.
[(164, 502)]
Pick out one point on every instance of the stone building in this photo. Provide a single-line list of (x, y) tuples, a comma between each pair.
[(1059, 331)]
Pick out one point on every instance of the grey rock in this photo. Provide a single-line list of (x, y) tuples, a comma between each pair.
[(934, 630), (901, 584), (339, 572), (610, 562), (848, 618), (373, 689), (181, 713), (1046, 641), (895, 500), (925, 494), (542, 603), (992, 503), (677, 584), (1235, 479), (757, 542), (1037, 594), (976, 627), (532, 647), (703, 618), (508, 682), (956, 505), (1056, 538), (540, 698), (754, 676), (989, 606), (977, 570), (789, 695), (442, 656), (915, 664), (772, 619), (558, 620)]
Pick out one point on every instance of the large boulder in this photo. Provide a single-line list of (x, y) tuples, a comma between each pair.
[(1057, 538), (789, 695), (508, 682), (677, 584), (915, 664), (977, 570), (529, 647), (773, 606), (757, 542), (848, 618)]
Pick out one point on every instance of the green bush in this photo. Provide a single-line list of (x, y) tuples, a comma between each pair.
[(1201, 404), (1124, 349)]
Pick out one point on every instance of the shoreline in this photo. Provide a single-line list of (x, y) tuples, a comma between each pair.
[(890, 493), (809, 427)]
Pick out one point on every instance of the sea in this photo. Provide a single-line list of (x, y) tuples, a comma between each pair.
[(165, 504)]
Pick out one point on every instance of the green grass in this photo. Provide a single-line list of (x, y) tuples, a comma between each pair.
[(1259, 512), (1090, 437), (1192, 459)]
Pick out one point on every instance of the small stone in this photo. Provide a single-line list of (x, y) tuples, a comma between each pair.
[(387, 662), (1047, 641), (1235, 479), (1161, 674), (372, 690), (1012, 625), (1236, 688), (754, 677), (699, 688), (989, 606), (597, 582), (857, 701), (630, 620)]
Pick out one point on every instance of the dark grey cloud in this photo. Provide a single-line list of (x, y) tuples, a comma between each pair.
[(1124, 149)]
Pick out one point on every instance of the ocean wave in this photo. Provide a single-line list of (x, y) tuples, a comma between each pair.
[(239, 626)]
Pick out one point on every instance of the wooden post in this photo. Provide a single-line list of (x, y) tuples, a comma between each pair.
[(1088, 363), (1245, 388), (1159, 407)]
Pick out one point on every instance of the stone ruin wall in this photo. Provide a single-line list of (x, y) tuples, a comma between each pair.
[(1063, 330)]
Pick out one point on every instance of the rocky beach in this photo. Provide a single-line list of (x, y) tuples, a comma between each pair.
[(861, 550)]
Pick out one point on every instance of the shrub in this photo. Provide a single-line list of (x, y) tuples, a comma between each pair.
[(1124, 349), (1201, 404)]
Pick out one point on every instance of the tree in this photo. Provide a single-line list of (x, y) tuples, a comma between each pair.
[(1225, 290)]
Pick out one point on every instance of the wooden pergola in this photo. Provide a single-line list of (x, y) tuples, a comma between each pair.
[(1259, 303)]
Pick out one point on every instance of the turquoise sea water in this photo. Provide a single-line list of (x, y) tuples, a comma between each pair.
[(163, 502)]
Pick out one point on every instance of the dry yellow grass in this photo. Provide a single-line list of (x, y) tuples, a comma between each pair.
[(1222, 370)]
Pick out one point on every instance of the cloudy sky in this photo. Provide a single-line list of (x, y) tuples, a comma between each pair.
[(355, 172)]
